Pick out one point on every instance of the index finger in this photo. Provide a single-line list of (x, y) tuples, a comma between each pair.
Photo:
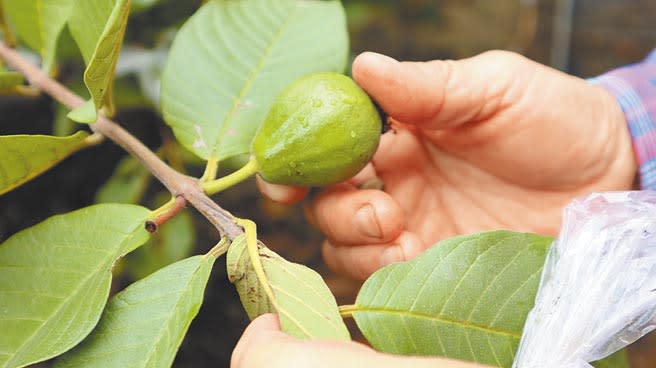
[(281, 193)]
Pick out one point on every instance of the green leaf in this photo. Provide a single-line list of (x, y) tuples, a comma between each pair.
[(144, 324), (617, 360), (127, 184), (62, 125), (39, 23), (23, 157), (305, 306), (67, 49), (84, 114), (55, 279), (98, 27), (466, 298), (172, 242), (140, 5), (230, 60), (9, 80)]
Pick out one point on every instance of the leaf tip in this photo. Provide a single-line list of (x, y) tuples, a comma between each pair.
[(85, 113)]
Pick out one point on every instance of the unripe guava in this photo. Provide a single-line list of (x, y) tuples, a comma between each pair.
[(322, 129)]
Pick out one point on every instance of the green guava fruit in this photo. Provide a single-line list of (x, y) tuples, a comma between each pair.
[(322, 129)]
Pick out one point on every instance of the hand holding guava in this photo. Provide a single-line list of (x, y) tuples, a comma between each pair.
[(493, 141)]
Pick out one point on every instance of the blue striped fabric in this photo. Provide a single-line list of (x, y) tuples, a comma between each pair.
[(634, 87)]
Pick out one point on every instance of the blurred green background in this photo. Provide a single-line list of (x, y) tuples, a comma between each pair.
[(584, 38)]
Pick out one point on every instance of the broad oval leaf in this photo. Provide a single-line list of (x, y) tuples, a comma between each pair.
[(144, 324), (98, 26), (55, 279), (39, 23), (466, 298), (230, 60), (306, 307), (23, 157)]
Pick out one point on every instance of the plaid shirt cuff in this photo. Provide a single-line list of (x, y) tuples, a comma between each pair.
[(634, 87)]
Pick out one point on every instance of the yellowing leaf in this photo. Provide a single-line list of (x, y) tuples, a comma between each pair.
[(55, 279), (305, 306), (39, 23), (98, 27), (22, 157)]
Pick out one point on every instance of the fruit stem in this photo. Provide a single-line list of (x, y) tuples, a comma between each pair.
[(220, 184)]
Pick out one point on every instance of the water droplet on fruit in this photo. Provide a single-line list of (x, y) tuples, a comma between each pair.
[(292, 164), (317, 103), (353, 134)]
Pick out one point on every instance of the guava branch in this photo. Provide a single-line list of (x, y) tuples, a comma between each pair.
[(178, 184)]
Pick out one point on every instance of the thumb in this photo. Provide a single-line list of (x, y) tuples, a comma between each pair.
[(439, 93)]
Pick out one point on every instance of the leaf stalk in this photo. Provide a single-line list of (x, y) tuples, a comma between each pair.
[(211, 169), (250, 229), (346, 311), (220, 248), (93, 140)]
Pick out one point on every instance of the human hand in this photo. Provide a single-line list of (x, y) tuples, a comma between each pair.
[(264, 345), (493, 141)]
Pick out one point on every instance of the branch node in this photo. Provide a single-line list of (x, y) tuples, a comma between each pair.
[(151, 226), (166, 213)]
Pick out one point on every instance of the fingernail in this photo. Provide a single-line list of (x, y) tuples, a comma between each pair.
[(278, 193), (390, 255), (367, 222)]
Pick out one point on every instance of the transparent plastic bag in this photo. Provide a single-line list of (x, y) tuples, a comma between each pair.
[(598, 289)]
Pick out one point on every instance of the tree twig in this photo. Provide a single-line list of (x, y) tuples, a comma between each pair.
[(177, 183), (165, 213)]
